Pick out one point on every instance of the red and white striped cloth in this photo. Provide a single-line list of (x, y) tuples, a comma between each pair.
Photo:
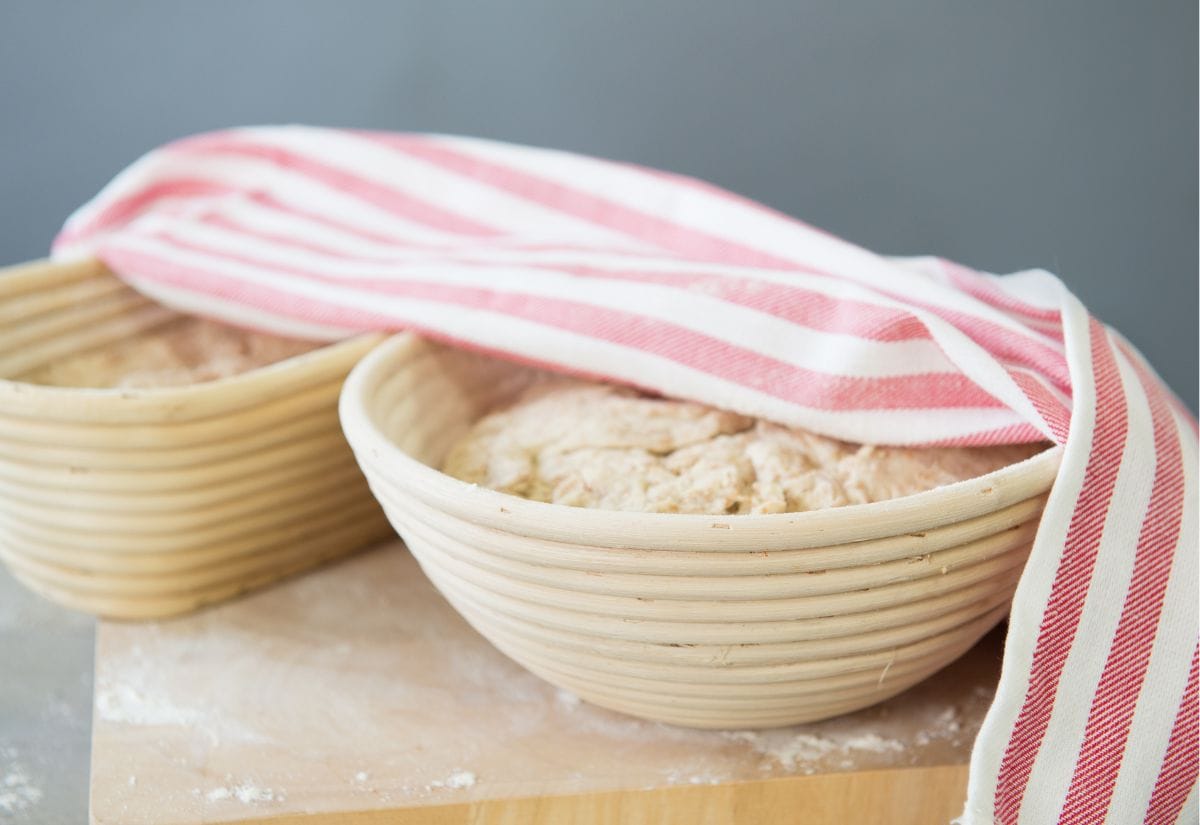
[(668, 283)]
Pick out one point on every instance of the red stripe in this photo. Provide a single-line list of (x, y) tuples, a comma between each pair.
[(451, 245), (1177, 776), (270, 201), (742, 202), (1004, 344), (980, 286), (860, 319), (665, 234), (127, 208), (1069, 589), (1124, 673), (276, 302), (1177, 405), (1049, 407), (644, 226), (1008, 434), (395, 201), (797, 305), (794, 304), (607, 213), (681, 345), (1185, 415)]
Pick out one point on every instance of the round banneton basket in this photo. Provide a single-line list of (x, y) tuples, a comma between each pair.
[(704, 621), (143, 503)]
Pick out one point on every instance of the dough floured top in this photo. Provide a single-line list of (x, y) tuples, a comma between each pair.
[(184, 351), (612, 448)]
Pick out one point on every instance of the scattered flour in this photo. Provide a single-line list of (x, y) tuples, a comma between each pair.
[(788, 751), (17, 793), (249, 793), (361, 776), (133, 692), (566, 699), (681, 778), (122, 702), (873, 743), (801, 750), (943, 726), (245, 792), (456, 780)]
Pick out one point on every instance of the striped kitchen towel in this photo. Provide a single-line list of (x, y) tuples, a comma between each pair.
[(671, 284)]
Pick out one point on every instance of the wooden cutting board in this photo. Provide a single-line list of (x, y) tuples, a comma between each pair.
[(357, 695)]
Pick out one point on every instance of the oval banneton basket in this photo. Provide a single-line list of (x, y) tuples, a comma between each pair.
[(703, 621), (144, 503)]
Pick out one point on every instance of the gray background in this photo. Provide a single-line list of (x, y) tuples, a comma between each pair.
[(1004, 135)]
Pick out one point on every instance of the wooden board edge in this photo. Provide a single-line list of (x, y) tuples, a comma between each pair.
[(902, 796)]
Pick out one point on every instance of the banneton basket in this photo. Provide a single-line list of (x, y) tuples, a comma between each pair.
[(143, 503), (703, 621)]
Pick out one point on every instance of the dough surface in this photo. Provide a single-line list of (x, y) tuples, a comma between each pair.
[(185, 351), (612, 448)]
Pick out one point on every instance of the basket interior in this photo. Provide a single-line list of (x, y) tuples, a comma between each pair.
[(452, 389), (92, 330), (45, 320)]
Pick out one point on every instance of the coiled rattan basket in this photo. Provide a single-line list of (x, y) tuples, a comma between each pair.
[(739, 621), (146, 503)]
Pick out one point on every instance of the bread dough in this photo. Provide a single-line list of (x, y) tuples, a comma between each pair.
[(613, 448), (184, 351)]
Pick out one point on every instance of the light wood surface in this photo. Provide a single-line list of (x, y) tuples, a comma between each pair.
[(909, 796), (356, 695)]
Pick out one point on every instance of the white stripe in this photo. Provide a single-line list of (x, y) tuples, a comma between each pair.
[(508, 249), (137, 175), (721, 215), (1140, 360), (257, 217), (529, 339), (298, 190), (982, 367), (961, 351), (436, 185), (1035, 287), (1170, 658), (731, 220), (1107, 591), (969, 356), (87, 246), (823, 352), (1033, 590), (936, 270), (447, 190), (505, 250), (233, 312)]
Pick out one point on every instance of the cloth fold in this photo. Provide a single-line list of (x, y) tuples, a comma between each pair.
[(668, 283)]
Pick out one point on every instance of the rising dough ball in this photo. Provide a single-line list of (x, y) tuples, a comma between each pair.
[(612, 448)]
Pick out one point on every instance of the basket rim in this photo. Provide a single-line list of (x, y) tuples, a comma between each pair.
[(188, 392), (206, 398), (388, 464)]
